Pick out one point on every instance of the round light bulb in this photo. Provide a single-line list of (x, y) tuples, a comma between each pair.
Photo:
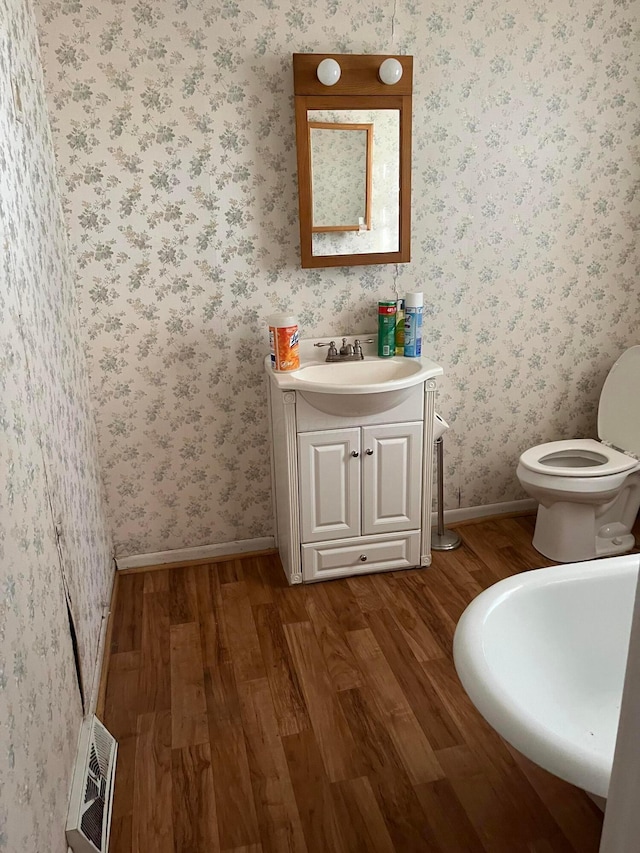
[(390, 71), (328, 72)]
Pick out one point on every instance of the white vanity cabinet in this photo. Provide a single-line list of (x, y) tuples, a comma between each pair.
[(360, 481), (352, 494)]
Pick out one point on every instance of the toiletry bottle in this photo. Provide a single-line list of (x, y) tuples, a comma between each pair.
[(400, 327), (387, 328), (413, 305)]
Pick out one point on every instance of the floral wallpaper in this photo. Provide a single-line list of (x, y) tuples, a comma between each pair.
[(173, 125), (53, 527)]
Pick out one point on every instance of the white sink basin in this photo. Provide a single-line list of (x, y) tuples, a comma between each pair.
[(351, 374), (353, 388)]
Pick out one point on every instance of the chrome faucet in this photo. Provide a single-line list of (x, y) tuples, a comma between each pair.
[(348, 352)]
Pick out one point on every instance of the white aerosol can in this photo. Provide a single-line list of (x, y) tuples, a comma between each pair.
[(413, 306)]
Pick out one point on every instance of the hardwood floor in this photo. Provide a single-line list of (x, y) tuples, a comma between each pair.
[(253, 716)]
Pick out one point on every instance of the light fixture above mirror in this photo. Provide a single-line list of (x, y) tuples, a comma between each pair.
[(335, 95), (390, 71), (328, 72)]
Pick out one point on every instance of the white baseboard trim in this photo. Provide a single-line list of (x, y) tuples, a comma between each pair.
[(200, 552), (242, 546), (92, 697), (466, 513), (97, 671)]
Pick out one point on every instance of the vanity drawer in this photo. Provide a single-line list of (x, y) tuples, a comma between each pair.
[(341, 558)]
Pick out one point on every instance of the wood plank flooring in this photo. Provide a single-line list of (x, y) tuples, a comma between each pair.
[(254, 717)]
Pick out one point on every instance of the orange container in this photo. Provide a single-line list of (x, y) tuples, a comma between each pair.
[(284, 339)]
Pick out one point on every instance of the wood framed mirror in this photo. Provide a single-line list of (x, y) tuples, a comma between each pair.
[(341, 176), (365, 175)]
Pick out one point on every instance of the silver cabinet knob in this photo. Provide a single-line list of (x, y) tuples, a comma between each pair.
[(355, 454), (369, 451), (363, 558)]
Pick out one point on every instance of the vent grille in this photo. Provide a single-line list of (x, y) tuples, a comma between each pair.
[(102, 747), (92, 791), (94, 765), (89, 820), (91, 823)]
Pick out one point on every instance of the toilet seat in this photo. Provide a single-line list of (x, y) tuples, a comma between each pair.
[(576, 458)]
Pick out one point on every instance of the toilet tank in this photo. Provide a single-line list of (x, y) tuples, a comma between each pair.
[(619, 409)]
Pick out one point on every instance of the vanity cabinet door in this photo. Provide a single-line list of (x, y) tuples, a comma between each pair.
[(329, 470), (391, 477)]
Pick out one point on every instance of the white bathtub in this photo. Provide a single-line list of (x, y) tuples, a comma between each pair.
[(542, 655)]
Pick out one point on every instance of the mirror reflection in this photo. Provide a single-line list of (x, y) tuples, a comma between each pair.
[(337, 178), (340, 176)]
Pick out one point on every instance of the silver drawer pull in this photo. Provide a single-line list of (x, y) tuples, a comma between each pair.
[(363, 558)]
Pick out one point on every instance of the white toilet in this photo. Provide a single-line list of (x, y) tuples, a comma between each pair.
[(588, 490)]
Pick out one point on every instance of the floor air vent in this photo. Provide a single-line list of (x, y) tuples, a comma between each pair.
[(89, 818)]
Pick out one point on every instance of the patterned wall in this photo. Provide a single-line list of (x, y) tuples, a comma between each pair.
[(174, 131), (48, 459)]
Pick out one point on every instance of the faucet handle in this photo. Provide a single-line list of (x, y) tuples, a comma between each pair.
[(357, 347), (333, 352)]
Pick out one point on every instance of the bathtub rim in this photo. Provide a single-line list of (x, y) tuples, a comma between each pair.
[(561, 756)]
